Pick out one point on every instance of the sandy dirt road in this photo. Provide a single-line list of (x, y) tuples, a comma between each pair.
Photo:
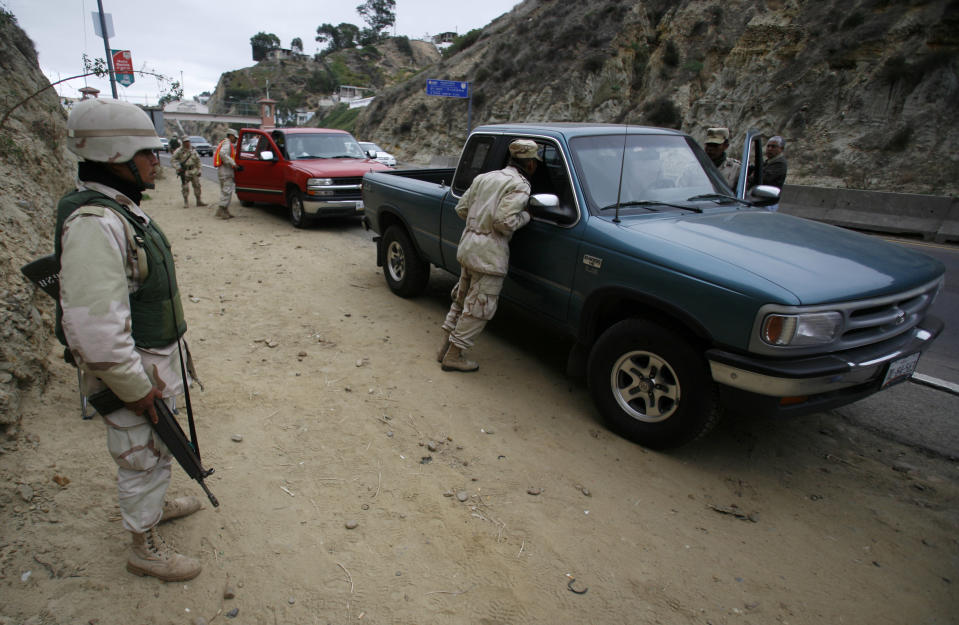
[(492, 498)]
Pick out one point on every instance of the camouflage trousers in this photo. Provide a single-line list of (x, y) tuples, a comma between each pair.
[(143, 468), (227, 185), (185, 187), (475, 298)]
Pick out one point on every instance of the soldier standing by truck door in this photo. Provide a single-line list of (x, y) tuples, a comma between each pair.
[(494, 207), (224, 159), (120, 315), (187, 164)]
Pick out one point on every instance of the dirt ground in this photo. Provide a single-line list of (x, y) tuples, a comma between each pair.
[(491, 498)]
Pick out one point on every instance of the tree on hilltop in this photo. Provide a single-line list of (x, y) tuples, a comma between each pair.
[(297, 45), (380, 15), (337, 37), (262, 43)]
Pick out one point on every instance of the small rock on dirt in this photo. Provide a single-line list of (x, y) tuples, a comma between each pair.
[(462, 495), (533, 490), (351, 524), (236, 438)]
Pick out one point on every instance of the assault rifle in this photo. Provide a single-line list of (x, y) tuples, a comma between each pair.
[(45, 273)]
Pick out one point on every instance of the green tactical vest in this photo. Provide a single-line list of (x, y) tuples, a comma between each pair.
[(155, 308)]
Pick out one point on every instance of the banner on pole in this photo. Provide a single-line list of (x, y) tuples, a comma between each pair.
[(123, 67)]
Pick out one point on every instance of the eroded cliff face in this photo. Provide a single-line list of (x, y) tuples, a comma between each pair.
[(865, 92), (35, 170)]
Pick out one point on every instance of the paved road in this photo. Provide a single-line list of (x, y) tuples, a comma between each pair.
[(940, 360)]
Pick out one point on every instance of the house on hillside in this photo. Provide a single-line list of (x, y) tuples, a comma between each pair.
[(347, 93)]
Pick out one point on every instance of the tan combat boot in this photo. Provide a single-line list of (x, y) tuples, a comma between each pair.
[(454, 360), (444, 347), (186, 202), (180, 507), (221, 213), (200, 202), (149, 555)]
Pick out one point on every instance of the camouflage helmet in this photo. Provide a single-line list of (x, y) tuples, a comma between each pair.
[(109, 131)]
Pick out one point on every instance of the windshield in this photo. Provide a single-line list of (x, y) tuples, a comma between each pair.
[(657, 172), (195, 140), (371, 146), (319, 145)]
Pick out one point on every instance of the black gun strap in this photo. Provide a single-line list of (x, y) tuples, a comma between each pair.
[(186, 381)]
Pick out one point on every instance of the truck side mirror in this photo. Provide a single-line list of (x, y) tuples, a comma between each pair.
[(371, 154), (764, 195), (547, 206), (267, 155)]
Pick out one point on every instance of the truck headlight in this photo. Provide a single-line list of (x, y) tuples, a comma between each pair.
[(318, 182), (315, 186), (802, 329)]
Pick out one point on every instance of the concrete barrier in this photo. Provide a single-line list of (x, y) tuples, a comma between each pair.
[(933, 217)]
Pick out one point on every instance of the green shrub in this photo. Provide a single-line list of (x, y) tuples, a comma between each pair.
[(594, 62), (671, 54), (403, 44), (855, 19), (899, 141), (662, 112)]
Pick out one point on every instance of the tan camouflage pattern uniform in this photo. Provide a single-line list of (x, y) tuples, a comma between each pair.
[(730, 171), (98, 272), (224, 174), (494, 207), (188, 161)]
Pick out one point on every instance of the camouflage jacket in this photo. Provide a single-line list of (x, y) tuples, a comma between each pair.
[(730, 171), (186, 160), (494, 207), (98, 271)]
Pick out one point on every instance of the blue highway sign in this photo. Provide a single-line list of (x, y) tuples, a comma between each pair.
[(447, 88)]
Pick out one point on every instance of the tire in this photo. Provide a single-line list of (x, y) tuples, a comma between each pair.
[(298, 216), (405, 272), (651, 385)]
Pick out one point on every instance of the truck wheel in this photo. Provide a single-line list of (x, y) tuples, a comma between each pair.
[(651, 385), (405, 272), (298, 216)]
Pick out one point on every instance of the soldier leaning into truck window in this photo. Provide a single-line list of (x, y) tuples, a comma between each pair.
[(187, 164), (494, 207), (117, 294), (225, 163), (715, 146)]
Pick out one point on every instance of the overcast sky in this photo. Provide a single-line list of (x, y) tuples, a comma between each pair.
[(201, 40)]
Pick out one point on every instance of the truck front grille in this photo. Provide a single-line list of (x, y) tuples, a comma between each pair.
[(874, 321)]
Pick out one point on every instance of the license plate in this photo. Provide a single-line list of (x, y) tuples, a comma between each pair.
[(900, 369)]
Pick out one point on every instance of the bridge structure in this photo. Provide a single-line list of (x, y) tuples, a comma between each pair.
[(248, 120)]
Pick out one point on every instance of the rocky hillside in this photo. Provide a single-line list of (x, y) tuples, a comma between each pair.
[(35, 170), (865, 92), (304, 82)]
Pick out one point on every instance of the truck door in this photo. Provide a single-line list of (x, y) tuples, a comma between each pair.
[(543, 253), (260, 180)]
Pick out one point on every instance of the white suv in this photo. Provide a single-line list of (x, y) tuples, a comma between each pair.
[(378, 154)]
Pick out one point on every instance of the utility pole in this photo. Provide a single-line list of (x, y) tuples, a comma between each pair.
[(106, 49)]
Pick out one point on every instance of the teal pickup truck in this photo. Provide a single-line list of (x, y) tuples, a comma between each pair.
[(684, 298)]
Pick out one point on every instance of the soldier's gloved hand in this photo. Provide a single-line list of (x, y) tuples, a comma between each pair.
[(239, 167), (145, 404)]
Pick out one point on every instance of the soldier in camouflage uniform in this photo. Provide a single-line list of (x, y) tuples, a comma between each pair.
[(187, 164), (494, 207), (119, 313), (717, 141), (225, 164)]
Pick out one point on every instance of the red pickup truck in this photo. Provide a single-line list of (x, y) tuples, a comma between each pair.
[(314, 172)]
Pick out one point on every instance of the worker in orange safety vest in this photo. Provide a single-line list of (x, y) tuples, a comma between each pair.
[(224, 159)]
